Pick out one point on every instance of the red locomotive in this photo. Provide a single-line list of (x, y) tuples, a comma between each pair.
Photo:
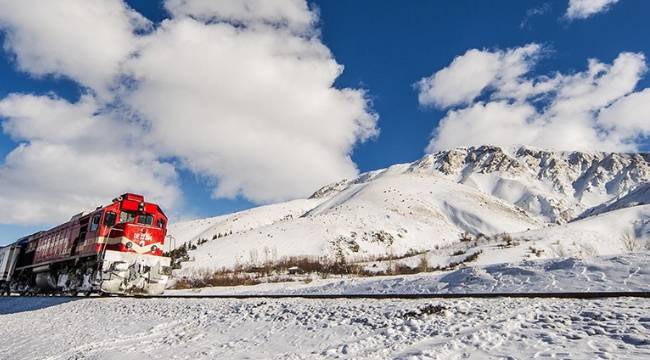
[(115, 249)]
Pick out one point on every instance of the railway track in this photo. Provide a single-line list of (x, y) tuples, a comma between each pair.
[(537, 295)]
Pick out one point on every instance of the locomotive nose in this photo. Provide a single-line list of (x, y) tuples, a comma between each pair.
[(144, 232)]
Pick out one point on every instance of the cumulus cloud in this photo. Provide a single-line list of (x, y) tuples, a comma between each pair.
[(293, 14), (471, 73), (70, 157), (629, 116), (475, 125), (595, 109), (254, 109), (83, 40), (241, 93), (582, 9)]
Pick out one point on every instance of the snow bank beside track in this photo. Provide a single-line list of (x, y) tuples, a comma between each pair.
[(120, 328), (628, 272)]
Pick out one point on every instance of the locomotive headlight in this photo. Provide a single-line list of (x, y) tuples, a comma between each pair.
[(129, 245), (154, 248)]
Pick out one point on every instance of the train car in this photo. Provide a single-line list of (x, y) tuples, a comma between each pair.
[(115, 249), (8, 256)]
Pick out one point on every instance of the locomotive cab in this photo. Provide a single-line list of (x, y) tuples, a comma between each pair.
[(132, 225), (134, 234)]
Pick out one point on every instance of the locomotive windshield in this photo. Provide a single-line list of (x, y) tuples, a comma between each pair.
[(127, 217), (145, 219), (109, 219)]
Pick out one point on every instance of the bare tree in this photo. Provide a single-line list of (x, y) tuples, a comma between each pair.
[(558, 250), (631, 243), (252, 254), (424, 262)]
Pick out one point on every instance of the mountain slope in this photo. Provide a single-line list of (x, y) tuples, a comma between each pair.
[(558, 186), (604, 233), (393, 214), (639, 196), (430, 203), (242, 221)]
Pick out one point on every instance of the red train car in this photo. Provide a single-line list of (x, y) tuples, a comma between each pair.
[(116, 249)]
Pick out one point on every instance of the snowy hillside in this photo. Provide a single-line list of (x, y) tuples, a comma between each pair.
[(617, 232), (236, 223), (605, 233), (558, 186), (428, 205), (639, 196), (391, 215), (627, 272)]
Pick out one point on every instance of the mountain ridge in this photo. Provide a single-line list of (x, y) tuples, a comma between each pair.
[(577, 180)]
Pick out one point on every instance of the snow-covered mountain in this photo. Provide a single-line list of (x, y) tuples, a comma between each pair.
[(638, 196), (557, 186), (239, 222), (430, 203)]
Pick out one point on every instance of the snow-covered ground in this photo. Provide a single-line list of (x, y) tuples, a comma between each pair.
[(505, 328), (56, 328), (607, 273), (122, 328), (618, 273)]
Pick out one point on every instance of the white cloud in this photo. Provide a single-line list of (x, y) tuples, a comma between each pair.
[(479, 124), (254, 109), (80, 39), (629, 116), (240, 93), (533, 12), (582, 9), (599, 86), (72, 157), (293, 14), (471, 73), (596, 109)]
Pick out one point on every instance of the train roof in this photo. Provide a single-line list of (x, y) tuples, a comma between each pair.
[(23, 240)]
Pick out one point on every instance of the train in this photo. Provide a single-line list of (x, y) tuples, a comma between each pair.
[(114, 249)]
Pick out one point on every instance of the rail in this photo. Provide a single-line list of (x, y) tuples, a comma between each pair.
[(540, 295)]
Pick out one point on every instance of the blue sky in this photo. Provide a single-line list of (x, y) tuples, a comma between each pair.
[(385, 48)]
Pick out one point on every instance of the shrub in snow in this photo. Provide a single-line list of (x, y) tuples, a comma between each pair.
[(631, 243)]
